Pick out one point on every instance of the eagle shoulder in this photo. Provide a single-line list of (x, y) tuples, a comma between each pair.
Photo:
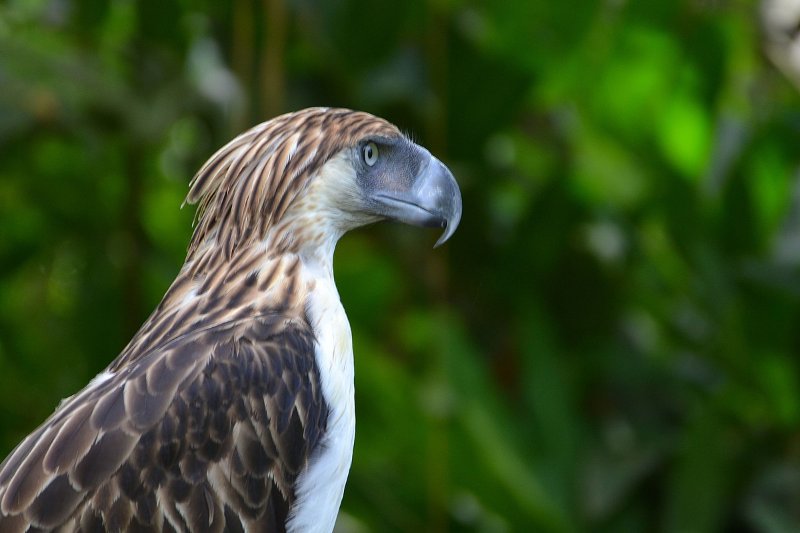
[(206, 433)]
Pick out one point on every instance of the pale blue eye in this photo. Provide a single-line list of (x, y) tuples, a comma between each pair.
[(370, 153)]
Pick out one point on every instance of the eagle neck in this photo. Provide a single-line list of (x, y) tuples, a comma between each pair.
[(210, 291)]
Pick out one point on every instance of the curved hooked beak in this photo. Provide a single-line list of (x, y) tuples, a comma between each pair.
[(433, 200)]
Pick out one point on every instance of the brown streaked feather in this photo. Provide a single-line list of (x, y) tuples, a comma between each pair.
[(211, 426)]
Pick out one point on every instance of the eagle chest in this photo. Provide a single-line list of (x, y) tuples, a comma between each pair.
[(320, 488)]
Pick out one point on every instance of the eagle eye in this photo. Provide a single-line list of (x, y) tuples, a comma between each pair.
[(370, 153)]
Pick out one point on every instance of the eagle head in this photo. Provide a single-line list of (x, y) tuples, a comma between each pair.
[(399, 180), (304, 178)]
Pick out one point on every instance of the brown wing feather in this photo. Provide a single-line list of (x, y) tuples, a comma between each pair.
[(207, 433)]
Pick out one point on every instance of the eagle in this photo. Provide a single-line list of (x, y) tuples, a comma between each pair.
[(232, 408)]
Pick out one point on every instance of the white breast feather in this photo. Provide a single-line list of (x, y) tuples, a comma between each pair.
[(319, 490)]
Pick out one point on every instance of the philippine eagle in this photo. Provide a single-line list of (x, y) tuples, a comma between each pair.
[(232, 407)]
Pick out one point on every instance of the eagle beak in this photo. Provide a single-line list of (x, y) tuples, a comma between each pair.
[(432, 201)]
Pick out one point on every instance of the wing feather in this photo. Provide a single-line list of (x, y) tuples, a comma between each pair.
[(206, 433)]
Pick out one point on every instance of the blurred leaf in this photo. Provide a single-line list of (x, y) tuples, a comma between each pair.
[(770, 185), (778, 377), (701, 481), (606, 174), (684, 136)]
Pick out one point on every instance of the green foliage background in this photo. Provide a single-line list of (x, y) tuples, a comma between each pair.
[(608, 343)]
